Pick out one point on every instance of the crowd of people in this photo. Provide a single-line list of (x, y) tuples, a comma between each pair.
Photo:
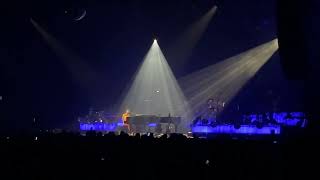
[(172, 156)]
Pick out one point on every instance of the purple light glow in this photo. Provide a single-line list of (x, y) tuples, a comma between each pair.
[(282, 118), (152, 124), (98, 126), (230, 129)]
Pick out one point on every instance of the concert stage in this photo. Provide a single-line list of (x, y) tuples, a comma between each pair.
[(252, 124), (219, 129), (115, 127), (136, 124)]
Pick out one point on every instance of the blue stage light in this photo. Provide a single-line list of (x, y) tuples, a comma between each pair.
[(152, 124), (98, 126), (230, 129)]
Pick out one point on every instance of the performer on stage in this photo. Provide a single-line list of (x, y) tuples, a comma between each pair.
[(125, 119), (125, 116)]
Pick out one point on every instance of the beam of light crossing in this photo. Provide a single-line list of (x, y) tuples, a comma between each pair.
[(78, 68), (155, 90), (182, 49), (225, 79)]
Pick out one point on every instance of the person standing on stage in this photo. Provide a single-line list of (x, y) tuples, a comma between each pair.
[(125, 116)]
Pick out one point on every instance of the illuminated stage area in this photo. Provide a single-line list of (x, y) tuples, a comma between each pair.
[(156, 92), (155, 102), (160, 90), (134, 124), (254, 124), (243, 129), (220, 129)]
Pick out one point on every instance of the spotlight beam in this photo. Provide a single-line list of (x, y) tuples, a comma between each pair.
[(78, 68), (182, 49), (155, 90), (225, 79)]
